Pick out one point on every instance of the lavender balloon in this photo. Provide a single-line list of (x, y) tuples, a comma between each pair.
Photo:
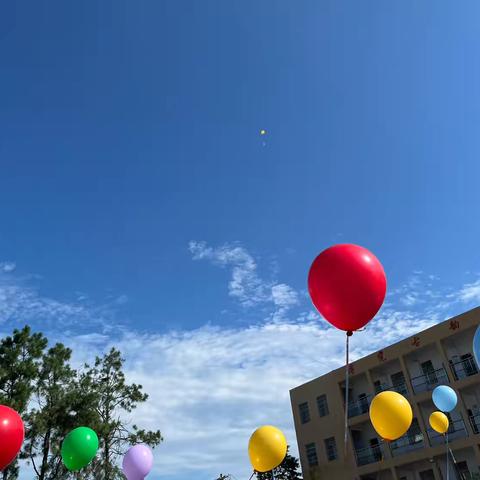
[(137, 462)]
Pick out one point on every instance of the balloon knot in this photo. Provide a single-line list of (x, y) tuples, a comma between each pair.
[(349, 333)]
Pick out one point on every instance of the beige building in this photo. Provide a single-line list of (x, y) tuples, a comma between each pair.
[(414, 367)]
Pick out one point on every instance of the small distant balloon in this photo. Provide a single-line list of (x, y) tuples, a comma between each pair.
[(263, 135)]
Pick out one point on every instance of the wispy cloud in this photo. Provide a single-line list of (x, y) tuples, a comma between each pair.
[(7, 267), (470, 292), (246, 285), (21, 301)]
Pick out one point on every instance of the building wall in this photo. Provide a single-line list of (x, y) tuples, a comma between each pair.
[(419, 454)]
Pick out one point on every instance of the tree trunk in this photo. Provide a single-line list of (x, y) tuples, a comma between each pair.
[(107, 460), (45, 450)]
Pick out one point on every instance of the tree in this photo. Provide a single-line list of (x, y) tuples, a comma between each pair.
[(287, 470), (61, 403), (19, 366), (113, 399), (53, 399)]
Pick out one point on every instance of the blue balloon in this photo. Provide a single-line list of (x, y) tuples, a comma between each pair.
[(476, 346), (444, 398)]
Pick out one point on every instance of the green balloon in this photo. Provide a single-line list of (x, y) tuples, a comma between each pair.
[(79, 448)]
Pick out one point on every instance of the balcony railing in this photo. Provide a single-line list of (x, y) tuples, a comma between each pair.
[(368, 455), (456, 430), (407, 443), (397, 387), (464, 368), (475, 423), (360, 406), (470, 476), (466, 475), (424, 383)]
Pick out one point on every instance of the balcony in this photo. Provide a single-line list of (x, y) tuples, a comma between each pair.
[(475, 423), (424, 383), (456, 430), (407, 443), (463, 368), (360, 406), (398, 387), (369, 455)]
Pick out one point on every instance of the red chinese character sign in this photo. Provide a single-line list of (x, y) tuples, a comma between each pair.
[(415, 341), (347, 285), (454, 325)]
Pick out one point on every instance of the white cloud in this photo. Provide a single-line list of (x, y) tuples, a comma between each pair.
[(7, 267), (22, 302), (284, 296), (470, 292), (245, 284)]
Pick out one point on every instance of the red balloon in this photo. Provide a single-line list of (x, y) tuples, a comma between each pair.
[(347, 285), (12, 433)]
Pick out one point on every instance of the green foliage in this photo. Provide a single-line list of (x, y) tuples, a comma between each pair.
[(113, 398), (289, 469), (54, 398), (60, 405), (19, 367)]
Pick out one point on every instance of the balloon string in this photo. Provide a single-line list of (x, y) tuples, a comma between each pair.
[(448, 473), (251, 476), (347, 375)]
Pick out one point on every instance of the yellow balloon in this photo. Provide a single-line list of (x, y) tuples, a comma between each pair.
[(439, 422), (267, 448), (391, 415)]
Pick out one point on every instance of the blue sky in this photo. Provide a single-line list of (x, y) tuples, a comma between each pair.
[(131, 129)]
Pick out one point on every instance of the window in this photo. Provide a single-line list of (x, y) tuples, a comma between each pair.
[(414, 433), (376, 449), (429, 372), (463, 469), (322, 405), (469, 364), (398, 382), (304, 412), (451, 423), (312, 458), (427, 475), (363, 403), (331, 449)]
